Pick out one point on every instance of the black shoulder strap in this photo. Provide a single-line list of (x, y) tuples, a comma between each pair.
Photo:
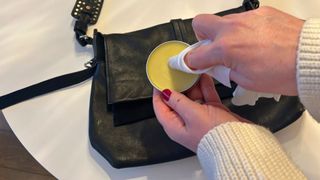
[(86, 12), (59, 82), (46, 87)]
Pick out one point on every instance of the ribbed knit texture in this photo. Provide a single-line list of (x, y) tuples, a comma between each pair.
[(308, 67), (237, 150)]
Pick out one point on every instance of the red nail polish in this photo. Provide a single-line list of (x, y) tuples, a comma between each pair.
[(166, 94)]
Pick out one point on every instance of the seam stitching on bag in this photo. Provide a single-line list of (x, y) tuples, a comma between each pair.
[(176, 30)]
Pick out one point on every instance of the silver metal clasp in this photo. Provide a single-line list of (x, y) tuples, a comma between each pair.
[(90, 64)]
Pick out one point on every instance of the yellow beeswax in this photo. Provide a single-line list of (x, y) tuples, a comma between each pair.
[(161, 75)]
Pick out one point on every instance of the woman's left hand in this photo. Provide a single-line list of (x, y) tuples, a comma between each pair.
[(184, 119)]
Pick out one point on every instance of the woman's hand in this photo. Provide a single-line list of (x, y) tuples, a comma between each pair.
[(259, 46), (185, 120)]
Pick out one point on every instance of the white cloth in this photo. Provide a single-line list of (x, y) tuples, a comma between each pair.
[(221, 73)]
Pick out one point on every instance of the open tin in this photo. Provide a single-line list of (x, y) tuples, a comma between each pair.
[(161, 75)]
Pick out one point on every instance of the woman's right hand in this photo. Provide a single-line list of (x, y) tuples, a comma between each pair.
[(259, 46)]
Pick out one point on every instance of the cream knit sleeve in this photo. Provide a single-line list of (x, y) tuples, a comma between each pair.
[(308, 67), (237, 150)]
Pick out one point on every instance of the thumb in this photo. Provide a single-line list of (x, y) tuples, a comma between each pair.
[(186, 108)]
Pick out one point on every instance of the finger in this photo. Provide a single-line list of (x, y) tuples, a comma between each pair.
[(241, 80), (195, 93), (204, 57), (182, 105), (219, 105), (208, 89), (158, 105), (169, 119), (206, 26)]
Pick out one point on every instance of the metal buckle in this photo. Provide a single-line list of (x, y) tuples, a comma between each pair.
[(90, 64), (84, 37)]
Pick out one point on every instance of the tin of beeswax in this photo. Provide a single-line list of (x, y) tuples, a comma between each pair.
[(161, 75)]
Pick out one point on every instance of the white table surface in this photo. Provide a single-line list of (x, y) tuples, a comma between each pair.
[(37, 43)]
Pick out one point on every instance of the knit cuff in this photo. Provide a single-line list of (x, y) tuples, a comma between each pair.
[(237, 150), (308, 66)]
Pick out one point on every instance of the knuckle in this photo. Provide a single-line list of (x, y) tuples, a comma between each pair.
[(230, 16), (187, 114), (181, 139), (174, 135), (171, 135), (265, 10), (197, 20), (176, 102), (234, 23), (223, 50), (222, 46), (169, 131)]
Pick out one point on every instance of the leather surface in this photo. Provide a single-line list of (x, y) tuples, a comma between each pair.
[(121, 96)]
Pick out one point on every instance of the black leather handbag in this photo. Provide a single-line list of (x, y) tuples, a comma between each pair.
[(122, 125)]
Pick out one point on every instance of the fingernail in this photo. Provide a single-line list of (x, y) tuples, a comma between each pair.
[(187, 60), (166, 94)]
